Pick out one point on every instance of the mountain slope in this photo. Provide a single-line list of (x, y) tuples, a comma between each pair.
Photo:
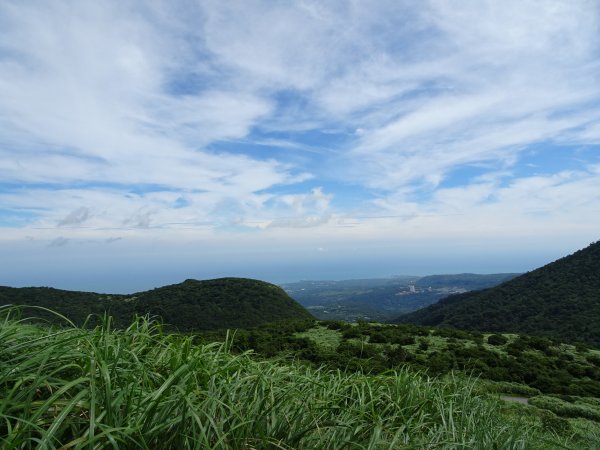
[(189, 306), (561, 299), (469, 281)]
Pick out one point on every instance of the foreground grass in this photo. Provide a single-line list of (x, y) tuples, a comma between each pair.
[(138, 388)]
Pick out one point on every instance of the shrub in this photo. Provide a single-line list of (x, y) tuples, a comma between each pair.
[(351, 333), (566, 409), (551, 422), (335, 324), (497, 339)]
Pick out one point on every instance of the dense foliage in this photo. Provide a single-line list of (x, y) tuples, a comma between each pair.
[(189, 306), (508, 364), (561, 299), (76, 388), (539, 363)]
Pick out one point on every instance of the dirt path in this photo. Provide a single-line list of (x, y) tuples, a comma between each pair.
[(510, 398)]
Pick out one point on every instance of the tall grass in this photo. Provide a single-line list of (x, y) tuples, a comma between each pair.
[(73, 388)]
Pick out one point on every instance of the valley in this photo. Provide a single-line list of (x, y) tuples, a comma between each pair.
[(383, 299)]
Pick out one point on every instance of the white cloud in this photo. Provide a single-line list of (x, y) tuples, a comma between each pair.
[(417, 81), (112, 112), (518, 73), (91, 99)]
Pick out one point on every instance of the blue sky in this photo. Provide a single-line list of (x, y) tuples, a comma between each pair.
[(142, 143)]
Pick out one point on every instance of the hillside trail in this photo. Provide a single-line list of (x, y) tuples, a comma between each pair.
[(511, 398)]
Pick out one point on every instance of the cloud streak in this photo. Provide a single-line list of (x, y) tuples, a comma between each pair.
[(75, 217)]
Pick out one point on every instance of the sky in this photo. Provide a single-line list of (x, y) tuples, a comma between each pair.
[(143, 143)]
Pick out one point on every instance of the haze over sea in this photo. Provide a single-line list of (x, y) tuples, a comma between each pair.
[(142, 143)]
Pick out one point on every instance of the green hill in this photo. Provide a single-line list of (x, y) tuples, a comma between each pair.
[(189, 306), (561, 299)]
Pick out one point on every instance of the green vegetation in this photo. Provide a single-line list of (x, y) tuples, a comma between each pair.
[(528, 367), (560, 300), (189, 306), (99, 382), (497, 339), (523, 365), (568, 406), (139, 388)]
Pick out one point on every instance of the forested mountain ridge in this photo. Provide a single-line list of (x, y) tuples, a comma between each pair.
[(189, 306), (560, 299), (469, 281)]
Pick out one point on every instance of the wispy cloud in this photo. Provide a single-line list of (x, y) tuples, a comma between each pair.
[(212, 117), (59, 242), (75, 217)]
